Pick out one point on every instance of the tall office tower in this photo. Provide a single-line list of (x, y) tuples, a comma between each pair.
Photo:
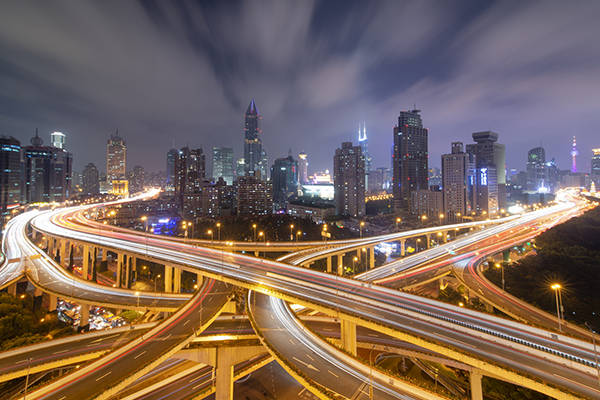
[(574, 154), (172, 156), (48, 172), (254, 196), (57, 139), (284, 177), (10, 173), (190, 171), (537, 172), (349, 180), (491, 171), (364, 145), (91, 180), (137, 179), (595, 163), (302, 168), (116, 158), (222, 164), (263, 166), (410, 157), (458, 182), (253, 152)]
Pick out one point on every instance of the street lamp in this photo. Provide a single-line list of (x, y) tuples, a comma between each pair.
[(298, 234), (354, 260), (291, 232), (362, 223), (157, 277), (219, 231), (144, 219), (595, 352), (398, 220), (210, 232), (254, 228), (556, 287), (441, 217), (423, 219), (501, 266)]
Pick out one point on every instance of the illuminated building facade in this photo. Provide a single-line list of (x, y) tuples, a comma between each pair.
[(222, 164), (491, 171), (116, 158), (90, 180), (349, 181), (10, 173), (458, 182), (302, 168)]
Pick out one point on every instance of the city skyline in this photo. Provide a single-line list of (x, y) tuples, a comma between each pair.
[(356, 78)]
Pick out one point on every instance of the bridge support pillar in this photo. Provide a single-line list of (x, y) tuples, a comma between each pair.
[(348, 336), (428, 240), (119, 270), (84, 315), (63, 252), (104, 255), (50, 242), (371, 257), (476, 391), (445, 236), (86, 262), (12, 289), (256, 254), (224, 374), (168, 278), (329, 264), (177, 280), (403, 247), (340, 264), (52, 300)]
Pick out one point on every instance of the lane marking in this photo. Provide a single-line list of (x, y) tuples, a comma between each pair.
[(333, 374), (103, 376), (139, 355)]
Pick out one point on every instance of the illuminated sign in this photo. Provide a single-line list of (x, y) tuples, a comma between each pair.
[(483, 177)]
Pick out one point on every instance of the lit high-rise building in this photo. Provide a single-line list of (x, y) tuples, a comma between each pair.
[(137, 179), (410, 159), (537, 171), (302, 168), (574, 154), (90, 180), (57, 139), (190, 171), (284, 177), (363, 142), (171, 176), (10, 173), (491, 171), (349, 180), (116, 158), (48, 172), (595, 162), (222, 164), (240, 167), (254, 196), (253, 151), (458, 182)]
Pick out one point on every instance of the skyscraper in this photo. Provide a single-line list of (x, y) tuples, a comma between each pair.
[(116, 158), (253, 151), (302, 168), (364, 145), (537, 172), (254, 196), (190, 171), (10, 173), (222, 164), (491, 171), (349, 180), (410, 159), (57, 139), (458, 182), (284, 177), (90, 180), (48, 172), (136, 178), (595, 163), (171, 177)]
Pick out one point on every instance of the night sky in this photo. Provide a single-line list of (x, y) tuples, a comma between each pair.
[(183, 73)]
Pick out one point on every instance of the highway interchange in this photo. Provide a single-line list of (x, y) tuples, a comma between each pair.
[(407, 317)]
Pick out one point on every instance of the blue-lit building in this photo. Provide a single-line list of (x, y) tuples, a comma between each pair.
[(284, 176)]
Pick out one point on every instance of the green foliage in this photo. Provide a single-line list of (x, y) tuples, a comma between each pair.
[(130, 315), (20, 325), (570, 255)]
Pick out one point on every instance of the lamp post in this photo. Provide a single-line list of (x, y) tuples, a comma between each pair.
[(298, 234), (441, 216), (254, 228), (501, 266), (219, 231), (291, 232), (423, 219), (144, 219), (354, 260), (362, 223), (556, 287), (398, 220), (210, 232), (157, 277)]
